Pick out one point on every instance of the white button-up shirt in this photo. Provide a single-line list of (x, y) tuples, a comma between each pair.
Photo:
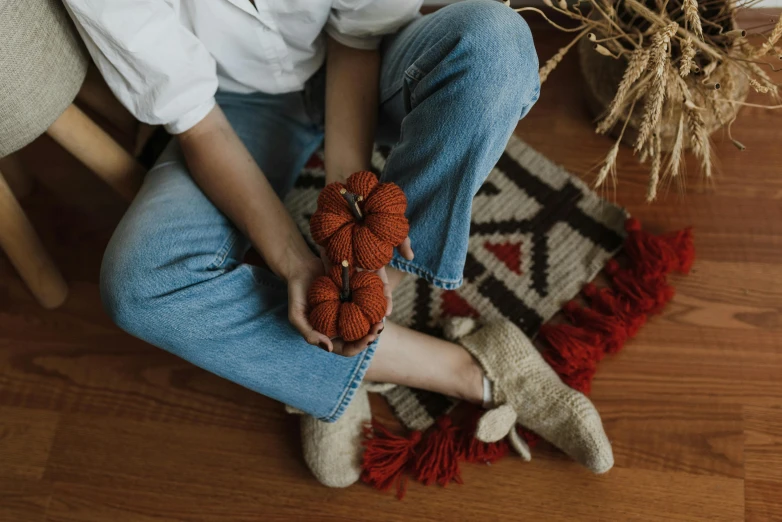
[(165, 59)]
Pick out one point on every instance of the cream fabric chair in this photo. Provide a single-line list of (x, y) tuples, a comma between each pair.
[(42, 69)]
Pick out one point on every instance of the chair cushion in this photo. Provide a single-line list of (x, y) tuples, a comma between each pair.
[(43, 66)]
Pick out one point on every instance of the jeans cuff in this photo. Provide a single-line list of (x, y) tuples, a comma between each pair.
[(404, 265), (360, 369)]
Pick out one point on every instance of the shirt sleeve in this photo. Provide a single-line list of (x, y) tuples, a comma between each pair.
[(157, 68), (362, 23)]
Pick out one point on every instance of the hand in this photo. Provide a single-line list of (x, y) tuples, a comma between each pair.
[(298, 285), (349, 349), (407, 252)]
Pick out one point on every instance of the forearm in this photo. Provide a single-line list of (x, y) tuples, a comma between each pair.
[(352, 77), (223, 168)]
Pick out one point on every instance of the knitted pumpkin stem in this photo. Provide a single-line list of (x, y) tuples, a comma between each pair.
[(344, 295), (353, 201)]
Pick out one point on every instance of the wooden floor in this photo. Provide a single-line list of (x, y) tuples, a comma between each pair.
[(97, 426)]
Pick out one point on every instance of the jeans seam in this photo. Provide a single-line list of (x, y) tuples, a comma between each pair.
[(350, 389), (222, 252)]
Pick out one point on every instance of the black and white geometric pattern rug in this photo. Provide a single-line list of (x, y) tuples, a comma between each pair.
[(538, 235)]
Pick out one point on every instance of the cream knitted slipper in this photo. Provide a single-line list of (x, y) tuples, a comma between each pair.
[(526, 390), (332, 450)]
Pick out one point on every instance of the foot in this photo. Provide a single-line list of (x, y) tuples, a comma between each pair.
[(527, 391), (332, 450)]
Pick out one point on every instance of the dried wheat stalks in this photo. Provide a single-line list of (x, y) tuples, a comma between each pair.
[(552, 62), (687, 63), (764, 84), (758, 86), (551, 22), (609, 164), (658, 61), (692, 19), (655, 18), (699, 134), (636, 65), (654, 172), (773, 38), (671, 93), (674, 163), (645, 154), (709, 69)]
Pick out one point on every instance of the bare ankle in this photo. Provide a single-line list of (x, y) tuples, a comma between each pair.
[(471, 382)]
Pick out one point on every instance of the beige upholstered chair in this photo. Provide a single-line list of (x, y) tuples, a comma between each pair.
[(42, 69)]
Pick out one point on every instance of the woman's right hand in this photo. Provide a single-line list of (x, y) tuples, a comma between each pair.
[(299, 283)]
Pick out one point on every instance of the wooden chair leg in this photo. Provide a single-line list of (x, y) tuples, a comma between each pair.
[(20, 242), (90, 144), (21, 182), (96, 95)]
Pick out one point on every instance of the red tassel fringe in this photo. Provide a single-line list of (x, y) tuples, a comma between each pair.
[(436, 461), (614, 315), (387, 457)]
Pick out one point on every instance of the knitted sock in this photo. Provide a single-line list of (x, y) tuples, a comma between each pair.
[(332, 450), (526, 390)]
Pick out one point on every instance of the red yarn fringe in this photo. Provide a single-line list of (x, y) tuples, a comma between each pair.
[(437, 460), (386, 458), (613, 315)]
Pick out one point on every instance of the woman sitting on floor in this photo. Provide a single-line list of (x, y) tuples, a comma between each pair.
[(251, 89)]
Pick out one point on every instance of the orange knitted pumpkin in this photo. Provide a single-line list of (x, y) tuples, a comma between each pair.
[(346, 305), (361, 221)]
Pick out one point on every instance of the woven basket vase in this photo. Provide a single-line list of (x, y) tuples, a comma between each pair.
[(602, 75), (42, 68)]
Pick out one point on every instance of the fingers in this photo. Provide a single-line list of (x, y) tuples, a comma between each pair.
[(386, 290), (310, 335), (356, 347), (406, 249), (327, 264), (376, 329)]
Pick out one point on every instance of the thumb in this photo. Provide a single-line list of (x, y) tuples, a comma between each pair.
[(310, 335), (406, 250)]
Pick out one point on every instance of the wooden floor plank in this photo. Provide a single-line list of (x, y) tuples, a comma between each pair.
[(124, 469), (26, 438), (763, 462), (23, 500), (544, 496), (692, 437)]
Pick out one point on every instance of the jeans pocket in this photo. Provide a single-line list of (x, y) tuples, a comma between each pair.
[(404, 88)]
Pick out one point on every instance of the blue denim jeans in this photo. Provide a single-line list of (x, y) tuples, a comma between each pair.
[(453, 86)]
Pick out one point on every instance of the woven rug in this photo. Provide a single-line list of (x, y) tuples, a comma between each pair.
[(539, 235)]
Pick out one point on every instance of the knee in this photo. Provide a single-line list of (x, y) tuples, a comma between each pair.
[(125, 286), (498, 46)]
